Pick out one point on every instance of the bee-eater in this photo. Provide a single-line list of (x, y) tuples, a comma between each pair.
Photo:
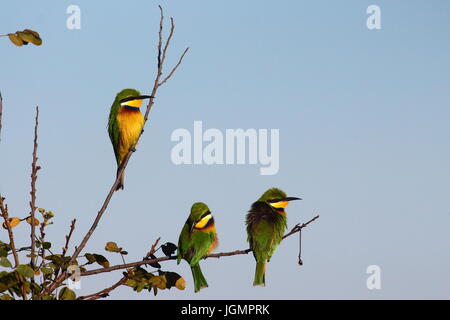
[(198, 238), (266, 222), (125, 124)]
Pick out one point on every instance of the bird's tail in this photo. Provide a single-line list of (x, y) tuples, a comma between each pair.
[(199, 279), (260, 274), (121, 179)]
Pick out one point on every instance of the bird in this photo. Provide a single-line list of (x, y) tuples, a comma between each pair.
[(197, 239), (125, 125), (266, 222)]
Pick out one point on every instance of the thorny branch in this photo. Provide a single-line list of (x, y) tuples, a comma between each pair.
[(156, 85)]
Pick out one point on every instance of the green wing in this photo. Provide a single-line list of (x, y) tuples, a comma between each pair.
[(193, 247), (113, 128), (262, 240), (265, 230)]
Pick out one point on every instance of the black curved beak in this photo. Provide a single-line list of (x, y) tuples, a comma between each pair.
[(291, 199), (144, 97)]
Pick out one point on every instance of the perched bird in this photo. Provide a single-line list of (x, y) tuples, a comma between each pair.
[(125, 124), (198, 238), (266, 222)]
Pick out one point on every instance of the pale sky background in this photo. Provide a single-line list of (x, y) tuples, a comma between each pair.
[(364, 128)]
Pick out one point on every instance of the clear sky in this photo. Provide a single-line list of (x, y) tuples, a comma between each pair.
[(364, 136)]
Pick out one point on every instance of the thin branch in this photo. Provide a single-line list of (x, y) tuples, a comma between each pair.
[(121, 170), (172, 29), (299, 227), (294, 230), (161, 21), (66, 246), (174, 68), (126, 266), (153, 248), (34, 170), (5, 215), (105, 292)]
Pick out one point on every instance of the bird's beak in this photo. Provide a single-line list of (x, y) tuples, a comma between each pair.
[(291, 199), (144, 97)]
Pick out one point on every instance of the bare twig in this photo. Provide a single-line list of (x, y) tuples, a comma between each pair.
[(5, 215), (124, 163), (66, 246), (34, 170), (174, 68), (153, 248), (299, 227), (105, 292)]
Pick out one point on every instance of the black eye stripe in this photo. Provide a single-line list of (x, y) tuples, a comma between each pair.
[(205, 214), (274, 200), (134, 98)]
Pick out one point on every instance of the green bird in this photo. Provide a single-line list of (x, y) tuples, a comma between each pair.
[(125, 125), (198, 238), (266, 223)]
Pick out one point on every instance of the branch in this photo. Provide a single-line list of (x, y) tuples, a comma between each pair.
[(124, 164), (174, 68), (105, 292), (299, 227), (34, 170), (66, 246), (294, 230), (5, 215)]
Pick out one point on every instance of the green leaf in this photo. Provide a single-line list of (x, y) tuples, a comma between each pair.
[(101, 260), (67, 294), (46, 270), (4, 262), (112, 247), (25, 270), (46, 245), (56, 259)]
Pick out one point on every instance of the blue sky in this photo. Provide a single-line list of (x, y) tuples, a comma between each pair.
[(364, 136)]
